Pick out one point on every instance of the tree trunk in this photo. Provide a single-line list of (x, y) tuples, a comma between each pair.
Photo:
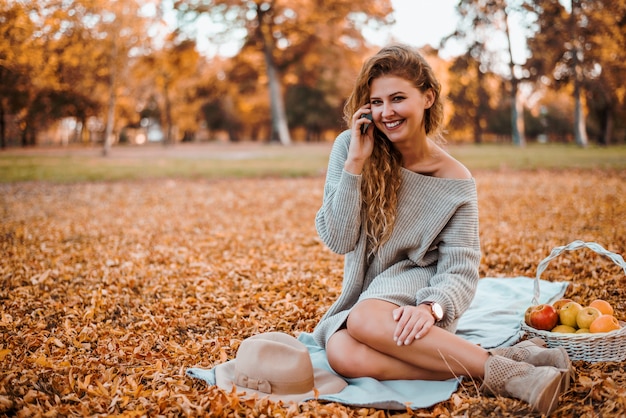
[(108, 132), (478, 131), (580, 128), (24, 135), (517, 117), (168, 113), (517, 108), (478, 114), (607, 126), (111, 111), (3, 131), (279, 117)]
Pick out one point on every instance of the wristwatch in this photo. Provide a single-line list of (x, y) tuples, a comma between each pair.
[(435, 309)]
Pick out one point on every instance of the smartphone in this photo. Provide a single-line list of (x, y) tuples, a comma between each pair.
[(366, 125)]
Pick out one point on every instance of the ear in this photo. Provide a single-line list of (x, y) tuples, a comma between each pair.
[(430, 98)]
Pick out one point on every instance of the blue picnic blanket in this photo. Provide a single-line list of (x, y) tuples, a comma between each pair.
[(493, 320)]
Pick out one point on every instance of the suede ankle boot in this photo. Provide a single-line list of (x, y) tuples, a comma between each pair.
[(540, 386), (534, 351)]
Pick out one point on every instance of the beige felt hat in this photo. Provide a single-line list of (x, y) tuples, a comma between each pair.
[(277, 366)]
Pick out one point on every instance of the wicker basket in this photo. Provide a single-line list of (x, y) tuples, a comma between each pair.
[(609, 346)]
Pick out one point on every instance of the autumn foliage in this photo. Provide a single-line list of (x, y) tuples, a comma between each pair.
[(110, 290), (82, 71)]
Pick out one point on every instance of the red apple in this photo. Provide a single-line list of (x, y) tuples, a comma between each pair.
[(543, 317), (527, 314), (560, 303)]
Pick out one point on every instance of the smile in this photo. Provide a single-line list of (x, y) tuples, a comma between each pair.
[(391, 125)]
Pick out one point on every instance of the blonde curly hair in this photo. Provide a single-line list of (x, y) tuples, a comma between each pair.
[(381, 175)]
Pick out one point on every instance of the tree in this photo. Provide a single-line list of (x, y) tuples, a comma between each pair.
[(552, 117), (87, 59), (483, 21), (607, 91), (583, 47), (557, 53), (25, 68), (285, 31), (18, 56), (69, 53), (309, 109), (122, 29), (468, 96), (577, 55), (171, 74), (244, 103), (53, 70), (517, 109)]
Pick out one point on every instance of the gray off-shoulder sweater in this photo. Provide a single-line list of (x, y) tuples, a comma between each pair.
[(433, 253)]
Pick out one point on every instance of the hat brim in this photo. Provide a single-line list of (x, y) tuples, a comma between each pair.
[(326, 383)]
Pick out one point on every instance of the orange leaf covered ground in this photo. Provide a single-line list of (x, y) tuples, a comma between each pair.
[(109, 291)]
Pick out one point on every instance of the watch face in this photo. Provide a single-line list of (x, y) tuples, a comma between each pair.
[(437, 310)]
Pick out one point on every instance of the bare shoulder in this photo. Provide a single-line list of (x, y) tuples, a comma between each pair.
[(451, 168), (440, 164)]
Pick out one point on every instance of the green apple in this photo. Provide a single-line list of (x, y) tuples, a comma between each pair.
[(586, 316), (565, 329), (569, 312)]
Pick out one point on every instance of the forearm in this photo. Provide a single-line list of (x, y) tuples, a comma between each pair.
[(338, 220), (454, 284)]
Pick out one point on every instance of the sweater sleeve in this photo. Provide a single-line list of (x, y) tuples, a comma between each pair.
[(454, 284), (338, 220)]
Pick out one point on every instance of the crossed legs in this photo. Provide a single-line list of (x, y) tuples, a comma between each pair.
[(366, 348)]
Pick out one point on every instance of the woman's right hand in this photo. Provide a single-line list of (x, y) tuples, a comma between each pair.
[(361, 144)]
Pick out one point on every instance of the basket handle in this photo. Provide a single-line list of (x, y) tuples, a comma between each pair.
[(575, 245)]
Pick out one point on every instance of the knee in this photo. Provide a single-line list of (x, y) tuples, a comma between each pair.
[(344, 364), (362, 325), (344, 358)]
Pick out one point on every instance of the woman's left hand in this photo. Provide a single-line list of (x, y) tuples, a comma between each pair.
[(413, 322)]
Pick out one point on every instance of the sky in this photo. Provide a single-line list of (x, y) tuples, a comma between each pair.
[(423, 22)]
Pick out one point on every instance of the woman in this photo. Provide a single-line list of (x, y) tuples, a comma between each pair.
[(404, 213)]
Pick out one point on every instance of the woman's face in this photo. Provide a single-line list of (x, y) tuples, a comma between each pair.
[(398, 108)]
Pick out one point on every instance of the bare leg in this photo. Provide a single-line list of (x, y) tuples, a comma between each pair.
[(367, 348), (350, 358)]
